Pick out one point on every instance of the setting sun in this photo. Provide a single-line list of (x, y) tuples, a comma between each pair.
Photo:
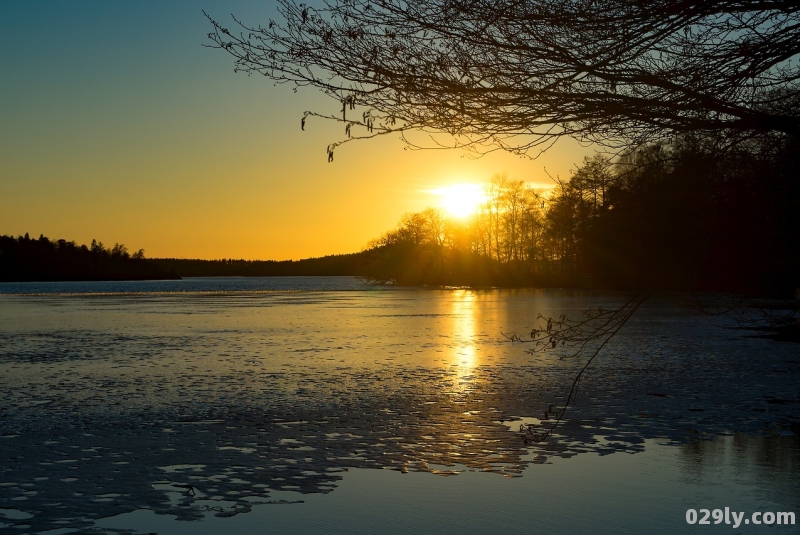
[(461, 200)]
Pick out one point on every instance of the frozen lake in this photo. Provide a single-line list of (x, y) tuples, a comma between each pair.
[(321, 405)]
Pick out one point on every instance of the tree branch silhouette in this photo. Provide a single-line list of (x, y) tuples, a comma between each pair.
[(589, 334), (517, 75)]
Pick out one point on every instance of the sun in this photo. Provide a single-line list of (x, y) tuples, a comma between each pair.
[(461, 200)]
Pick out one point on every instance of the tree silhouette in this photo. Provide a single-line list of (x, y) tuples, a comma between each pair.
[(23, 259), (517, 75)]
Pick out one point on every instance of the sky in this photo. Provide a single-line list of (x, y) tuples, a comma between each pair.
[(117, 124)]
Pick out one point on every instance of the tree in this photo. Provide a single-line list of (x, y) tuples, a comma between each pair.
[(593, 180), (436, 226), (519, 74), (413, 228), (120, 250)]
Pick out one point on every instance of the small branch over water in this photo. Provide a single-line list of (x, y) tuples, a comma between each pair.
[(588, 335)]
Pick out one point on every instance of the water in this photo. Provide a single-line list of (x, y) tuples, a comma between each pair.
[(187, 285), (303, 405)]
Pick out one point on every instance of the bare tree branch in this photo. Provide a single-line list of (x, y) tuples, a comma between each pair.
[(516, 75), (579, 337)]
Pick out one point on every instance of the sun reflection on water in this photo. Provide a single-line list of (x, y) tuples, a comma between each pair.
[(465, 351)]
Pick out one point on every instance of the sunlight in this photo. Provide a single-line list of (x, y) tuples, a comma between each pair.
[(465, 356), (461, 200)]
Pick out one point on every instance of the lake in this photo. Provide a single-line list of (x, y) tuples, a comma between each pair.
[(324, 405)]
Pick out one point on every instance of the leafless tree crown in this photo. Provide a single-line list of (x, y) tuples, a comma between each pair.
[(518, 74)]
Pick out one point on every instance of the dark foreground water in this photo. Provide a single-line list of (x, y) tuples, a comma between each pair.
[(320, 405)]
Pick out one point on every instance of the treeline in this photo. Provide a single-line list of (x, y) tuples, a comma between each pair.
[(664, 216), (345, 264), (25, 259)]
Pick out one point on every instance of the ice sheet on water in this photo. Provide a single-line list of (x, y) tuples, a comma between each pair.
[(155, 408)]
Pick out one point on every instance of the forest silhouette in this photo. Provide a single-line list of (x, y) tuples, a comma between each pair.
[(666, 216), (25, 259)]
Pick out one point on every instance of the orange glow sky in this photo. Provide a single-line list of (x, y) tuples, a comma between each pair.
[(118, 125)]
